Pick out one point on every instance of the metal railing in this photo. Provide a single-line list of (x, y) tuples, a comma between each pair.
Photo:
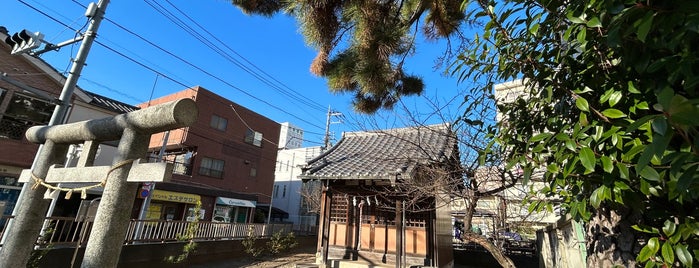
[(178, 167), (68, 232)]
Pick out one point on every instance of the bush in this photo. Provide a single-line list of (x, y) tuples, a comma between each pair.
[(249, 244), (278, 242)]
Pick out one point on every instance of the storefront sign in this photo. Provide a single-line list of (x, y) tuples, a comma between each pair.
[(175, 197), (235, 202)]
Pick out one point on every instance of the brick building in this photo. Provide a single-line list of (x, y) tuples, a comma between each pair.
[(21, 109), (226, 161)]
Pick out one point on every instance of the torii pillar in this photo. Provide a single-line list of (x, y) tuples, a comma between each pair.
[(133, 130)]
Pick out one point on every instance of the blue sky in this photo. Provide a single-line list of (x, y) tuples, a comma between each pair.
[(270, 48)]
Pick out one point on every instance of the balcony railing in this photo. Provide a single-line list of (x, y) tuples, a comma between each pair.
[(181, 168), (13, 127), (66, 231)]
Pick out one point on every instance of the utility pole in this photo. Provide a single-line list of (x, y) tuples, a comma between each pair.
[(28, 197), (151, 187), (326, 142)]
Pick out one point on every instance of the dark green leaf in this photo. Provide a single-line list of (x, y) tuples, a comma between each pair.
[(668, 253), (552, 168), (645, 157), (653, 244), (650, 174), (623, 170), (683, 112), (621, 185), (659, 125), (643, 105), (649, 264), (599, 130), (583, 119), (669, 227), (634, 150), (645, 228), (613, 113), (686, 179), (636, 124), (540, 137), (597, 196), (582, 37), (664, 99), (645, 187), (675, 238), (594, 23), (587, 158), (562, 137), (607, 164), (614, 98), (632, 88), (648, 250), (534, 29), (683, 255), (644, 27), (582, 104), (576, 19)]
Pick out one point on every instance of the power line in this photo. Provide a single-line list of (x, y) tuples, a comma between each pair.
[(192, 65), (111, 89), (310, 102), (161, 73), (205, 41), (141, 64), (208, 73)]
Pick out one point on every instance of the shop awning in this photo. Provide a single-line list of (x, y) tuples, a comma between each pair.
[(276, 212), (235, 202)]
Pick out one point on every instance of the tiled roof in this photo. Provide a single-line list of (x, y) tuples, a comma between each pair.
[(381, 155), (110, 104)]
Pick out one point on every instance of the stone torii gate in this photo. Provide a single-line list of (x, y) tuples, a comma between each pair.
[(133, 130)]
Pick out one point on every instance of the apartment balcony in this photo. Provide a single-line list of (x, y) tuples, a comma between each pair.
[(181, 167)]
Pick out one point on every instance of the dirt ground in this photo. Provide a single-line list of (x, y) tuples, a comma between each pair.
[(289, 260)]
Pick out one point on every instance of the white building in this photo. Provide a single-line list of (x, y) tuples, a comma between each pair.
[(561, 240), (290, 136), (288, 188)]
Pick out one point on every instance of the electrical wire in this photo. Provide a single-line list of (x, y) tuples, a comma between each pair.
[(308, 101), (182, 25), (206, 72), (111, 89), (156, 71)]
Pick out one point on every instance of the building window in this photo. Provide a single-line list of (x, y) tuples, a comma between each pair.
[(284, 192), (211, 167), (253, 172), (276, 191), (253, 137), (23, 112), (9, 193), (218, 122)]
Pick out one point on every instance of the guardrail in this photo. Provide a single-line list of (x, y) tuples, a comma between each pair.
[(67, 231)]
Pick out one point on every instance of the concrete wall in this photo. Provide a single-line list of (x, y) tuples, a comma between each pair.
[(152, 255), (562, 245)]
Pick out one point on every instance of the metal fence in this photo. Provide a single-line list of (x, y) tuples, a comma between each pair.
[(67, 231)]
